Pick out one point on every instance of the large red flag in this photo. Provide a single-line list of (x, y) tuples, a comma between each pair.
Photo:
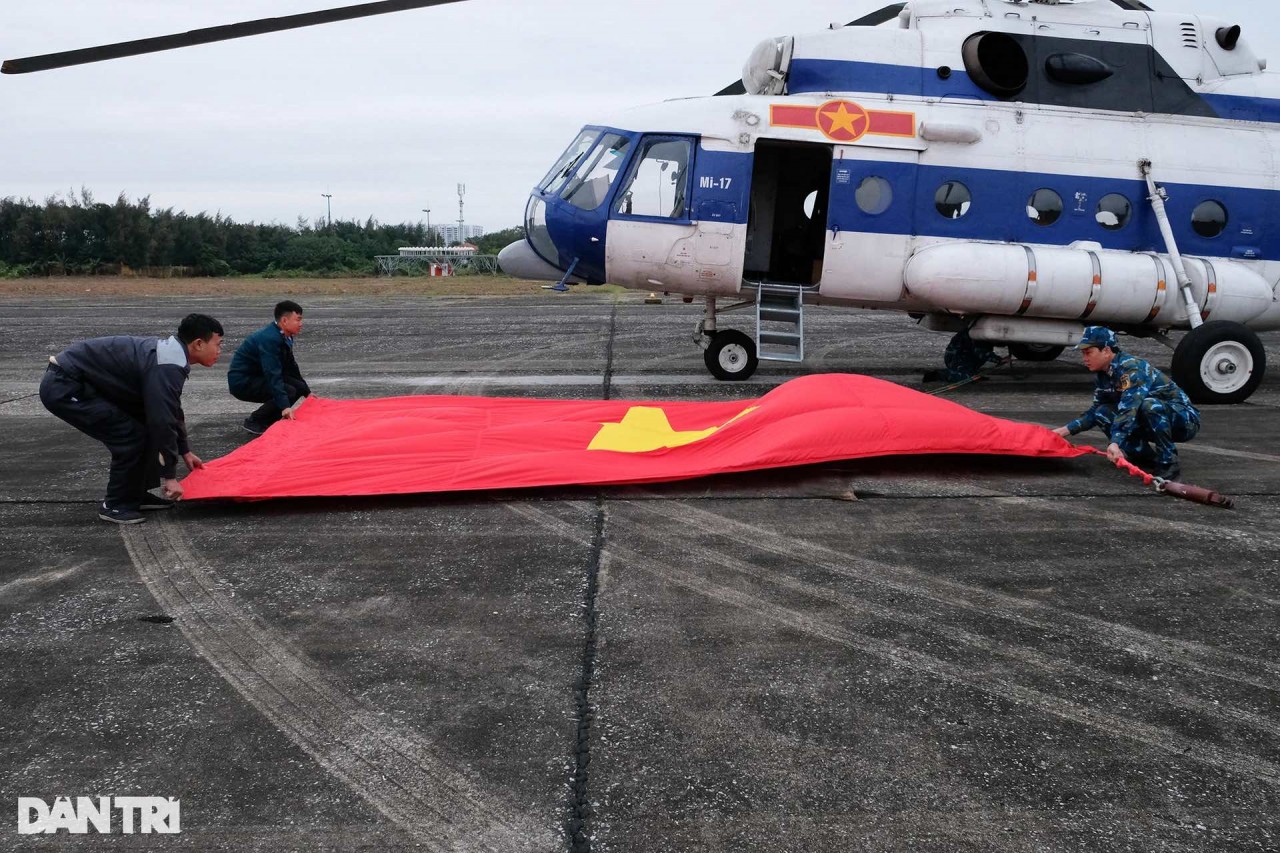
[(402, 445)]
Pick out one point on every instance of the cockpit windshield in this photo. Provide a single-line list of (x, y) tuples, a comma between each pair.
[(589, 187), (568, 162)]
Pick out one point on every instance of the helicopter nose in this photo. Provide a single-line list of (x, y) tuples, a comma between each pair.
[(518, 260)]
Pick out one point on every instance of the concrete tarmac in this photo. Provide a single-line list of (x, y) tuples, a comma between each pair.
[(928, 654)]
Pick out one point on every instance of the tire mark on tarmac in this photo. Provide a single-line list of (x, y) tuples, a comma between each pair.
[(1251, 538), (1181, 653), (1223, 451), (957, 636), (393, 769), (499, 368), (980, 679), (44, 578)]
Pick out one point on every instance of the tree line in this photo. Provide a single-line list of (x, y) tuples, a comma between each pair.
[(80, 236)]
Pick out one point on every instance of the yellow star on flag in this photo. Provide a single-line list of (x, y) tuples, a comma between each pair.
[(645, 428)]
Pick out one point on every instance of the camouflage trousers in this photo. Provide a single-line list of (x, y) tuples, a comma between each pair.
[(1160, 425), (964, 357)]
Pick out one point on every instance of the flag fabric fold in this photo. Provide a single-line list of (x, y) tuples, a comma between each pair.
[(405, 445)]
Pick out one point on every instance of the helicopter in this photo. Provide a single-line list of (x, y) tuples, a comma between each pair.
[(1014, 168)]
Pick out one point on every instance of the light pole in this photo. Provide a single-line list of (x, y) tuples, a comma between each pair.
[(328, 208), (427, 211)]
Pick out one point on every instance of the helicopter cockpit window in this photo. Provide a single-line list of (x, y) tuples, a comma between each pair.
[(589, 187), (1114, 211), (1044, 207), (952, 200), (874, 195), (535, 226), (568, 162), (658, 182), (1209, 219)]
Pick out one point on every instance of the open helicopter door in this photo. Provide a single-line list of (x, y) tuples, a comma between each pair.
[(675, 223), (786, 228)]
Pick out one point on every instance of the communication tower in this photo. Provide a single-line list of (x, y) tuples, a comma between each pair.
[(462, 231)]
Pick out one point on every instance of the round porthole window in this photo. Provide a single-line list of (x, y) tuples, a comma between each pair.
[(1209, 219), (1044, 207), (874, 195), (1114, 212), (952, 200)]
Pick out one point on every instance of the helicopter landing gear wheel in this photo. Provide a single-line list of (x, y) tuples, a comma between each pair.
[(1220, 362), (1035, 352), (731, 356)]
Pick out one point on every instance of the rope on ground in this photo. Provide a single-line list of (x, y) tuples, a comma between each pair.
[(977, 377)]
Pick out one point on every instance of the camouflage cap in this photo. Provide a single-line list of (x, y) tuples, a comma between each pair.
[(1098, 336)]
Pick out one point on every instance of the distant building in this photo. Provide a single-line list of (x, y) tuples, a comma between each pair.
[(450, 233), (465, 250)]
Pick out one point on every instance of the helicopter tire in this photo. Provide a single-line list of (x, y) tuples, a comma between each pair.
[(1220, 362), (731, 356), (1035, 352)]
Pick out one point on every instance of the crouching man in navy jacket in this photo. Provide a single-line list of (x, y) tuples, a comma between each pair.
[(127, 393), (265, 371)]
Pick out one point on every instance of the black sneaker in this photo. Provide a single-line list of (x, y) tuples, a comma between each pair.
[(152, 502), (1170, 472), (933, 376), (250, 425), (120, 515)]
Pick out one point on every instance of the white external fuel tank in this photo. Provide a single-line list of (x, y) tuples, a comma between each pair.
[(1082, 282)]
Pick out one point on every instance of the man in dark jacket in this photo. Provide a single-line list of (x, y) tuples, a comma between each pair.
[(265, 371), (127, 393)]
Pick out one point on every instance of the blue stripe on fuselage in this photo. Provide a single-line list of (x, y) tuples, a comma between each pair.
[(999, 204), (810, 76), (1244, 108)]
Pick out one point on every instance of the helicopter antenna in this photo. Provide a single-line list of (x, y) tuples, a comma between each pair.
[(226, 32)]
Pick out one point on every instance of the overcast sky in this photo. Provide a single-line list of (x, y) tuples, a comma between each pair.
[(388, 114)]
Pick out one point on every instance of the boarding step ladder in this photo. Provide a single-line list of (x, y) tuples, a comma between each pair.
[(779, 322)]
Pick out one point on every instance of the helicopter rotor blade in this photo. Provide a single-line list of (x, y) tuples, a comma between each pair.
[(879, 16), (226, 32), (1133, 5), (875, 19)]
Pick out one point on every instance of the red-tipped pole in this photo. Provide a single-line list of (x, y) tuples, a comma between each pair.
[(1194, 494)]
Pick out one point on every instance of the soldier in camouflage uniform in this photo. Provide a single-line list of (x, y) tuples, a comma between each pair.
[(1138, 407), (963, 359)]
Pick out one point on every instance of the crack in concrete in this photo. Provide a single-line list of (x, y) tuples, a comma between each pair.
[(579, 826), (608, 352)]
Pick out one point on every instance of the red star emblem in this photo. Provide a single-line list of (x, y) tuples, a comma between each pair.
[(843, 121)]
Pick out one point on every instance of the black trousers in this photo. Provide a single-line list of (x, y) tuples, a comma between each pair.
[(258, 390), (133, 469)]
